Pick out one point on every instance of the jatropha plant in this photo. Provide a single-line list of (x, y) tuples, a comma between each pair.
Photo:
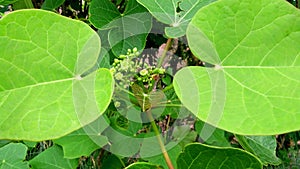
[(90, 90)]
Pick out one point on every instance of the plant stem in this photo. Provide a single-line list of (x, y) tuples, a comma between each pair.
[(164, 54), (159, 139), (167, 128), (149, 114)]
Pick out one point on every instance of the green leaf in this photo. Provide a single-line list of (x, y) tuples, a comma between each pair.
[(52, 158), (184, 134), (4, 142), (103, 60), (12, 156), (112, 161), (84, 141), (22, 4), (143, 165), (254, 89), (134, 127), (118, 139), (264, 147), (143, 98), (173, 107), (42, 56), (102, 13), (7, 2), (176, 13), (30, 144), (52, 4), (127, 30), (211, 135), (203, 156)]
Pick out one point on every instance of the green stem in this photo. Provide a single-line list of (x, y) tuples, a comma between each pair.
[(167, 128), (157, 133), (124, 90), (164, 54), (159, 139)]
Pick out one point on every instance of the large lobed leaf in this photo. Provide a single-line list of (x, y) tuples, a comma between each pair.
[(42, 95), (85, 140), (12, 156), (264, 147), (254, 89), (203, 156), (176, 13), (122, 31), (52, 158)]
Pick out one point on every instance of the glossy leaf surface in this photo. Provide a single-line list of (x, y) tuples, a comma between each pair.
[(12, 156), (126, 30), (254, 89), (176, 13), (84, 141), (203, 156), (53, 158), (264, 147), (42, 57)]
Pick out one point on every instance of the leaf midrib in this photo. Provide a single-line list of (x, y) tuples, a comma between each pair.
[(41, 84)]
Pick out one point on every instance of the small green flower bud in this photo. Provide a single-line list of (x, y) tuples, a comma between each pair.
[(112, 70), (122, 56), (119, 76), (125, 65), (116, 60), (117, 104), (144, 72), (134, 50)]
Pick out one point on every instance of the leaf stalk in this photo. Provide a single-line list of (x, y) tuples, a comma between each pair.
[(159, 139), (164, 54)]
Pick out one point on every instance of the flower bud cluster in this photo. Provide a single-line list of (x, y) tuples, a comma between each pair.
[(124, 67), (149, 75), (127, 70)]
